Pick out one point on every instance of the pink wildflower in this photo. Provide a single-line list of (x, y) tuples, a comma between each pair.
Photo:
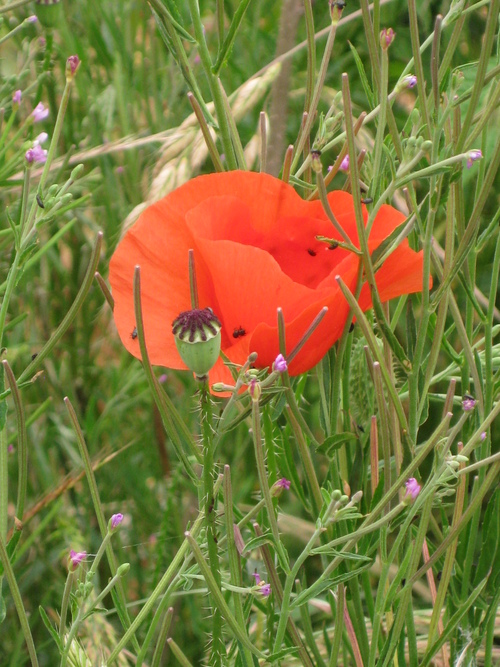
[(40, 112)]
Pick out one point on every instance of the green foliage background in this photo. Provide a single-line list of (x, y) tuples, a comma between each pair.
[(127, 89)]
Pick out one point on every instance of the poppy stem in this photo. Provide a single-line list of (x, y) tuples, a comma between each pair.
[(193, 287), (209, 499), (167, 411)]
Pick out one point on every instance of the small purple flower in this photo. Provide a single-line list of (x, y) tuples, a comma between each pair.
[(280, 364), (72, 64), (483, 436), (410, 80), (468, 403), (163, 378), (75, 558), (40, 139), (116, 520), (473, 156), (278, 487), (10, 449), (344, 165), (265, 589), (32, 19), (257, 578), (386, 38), (40, 112), (36, 154), (16, 98), (412, 488)]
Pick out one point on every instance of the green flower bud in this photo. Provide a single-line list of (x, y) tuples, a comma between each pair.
[(198, 339), (255, 390), (316, 161), (336, 9)]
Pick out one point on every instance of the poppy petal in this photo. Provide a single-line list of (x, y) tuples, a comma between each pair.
[(255, 247)]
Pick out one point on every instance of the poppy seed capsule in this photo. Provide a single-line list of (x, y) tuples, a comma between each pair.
[(198, 339)]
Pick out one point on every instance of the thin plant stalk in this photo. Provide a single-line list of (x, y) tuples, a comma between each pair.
[(209, 500), (22, 442), (94, 492), (18, 602), (215, 89), (320, 80)]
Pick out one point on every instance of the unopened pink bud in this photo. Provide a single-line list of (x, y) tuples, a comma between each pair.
[(254, 389), (344, 165), (386, 38), (412, 488), (410, 80), (473, 156), (280, 364), (75, 558), (72, 64)]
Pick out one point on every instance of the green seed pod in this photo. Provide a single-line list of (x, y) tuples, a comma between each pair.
[(48, 12), (316, 161), (198, 339)]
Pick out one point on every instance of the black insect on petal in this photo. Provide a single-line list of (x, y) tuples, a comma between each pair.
[(311, 252), (133, 335), (239, 331), (39, 201)]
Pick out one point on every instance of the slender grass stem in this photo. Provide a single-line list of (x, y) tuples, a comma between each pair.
[(215, 89), (18, 602)]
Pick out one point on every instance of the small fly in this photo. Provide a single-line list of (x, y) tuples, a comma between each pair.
[(133, 335), (239, 331)]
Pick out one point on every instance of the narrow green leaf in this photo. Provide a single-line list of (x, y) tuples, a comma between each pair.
[(334, 442), (491, 536), (362, 75), (53, 632), (227, 45)]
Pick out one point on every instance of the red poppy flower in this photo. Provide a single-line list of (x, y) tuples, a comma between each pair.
[(255, 249)]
